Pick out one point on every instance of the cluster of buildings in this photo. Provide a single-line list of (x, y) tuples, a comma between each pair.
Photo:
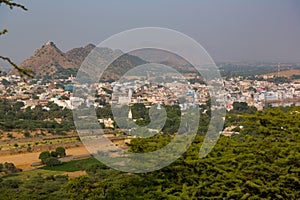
[(175, 92), (261, 93), (169, 93)]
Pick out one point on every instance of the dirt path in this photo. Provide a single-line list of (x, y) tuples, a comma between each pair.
[(24, 160)]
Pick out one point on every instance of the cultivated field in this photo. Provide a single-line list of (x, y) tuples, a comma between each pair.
[(24, 160), (73, 169)]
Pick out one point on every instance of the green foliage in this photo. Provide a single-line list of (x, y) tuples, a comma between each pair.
[(139, 111), (61, 73), (50, 158), (44, 156), (95, 169), (8, 168), (5, 82), (13, 117), (104, 112), (75, 165), (61, 152), (82, 184), (54, 154), (242, 107), (10, 184), (230, 70), (26, 134), (143, 145), (37, 187), (29, 149), (262, 162), (51, 161)]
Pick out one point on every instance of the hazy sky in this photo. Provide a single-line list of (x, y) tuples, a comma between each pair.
[(246, 30)]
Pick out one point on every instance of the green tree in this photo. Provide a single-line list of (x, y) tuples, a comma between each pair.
[(54, 154), (26, 134), (79, 188), (61, 152), (51, 161), (139, 111), (9, 167), (243, 107), (44, 155)]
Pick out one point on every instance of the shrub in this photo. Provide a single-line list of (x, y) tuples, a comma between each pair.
[(61, 151), (54, 154), (52, 162), (29, 149), (26, 134), (44, 155)]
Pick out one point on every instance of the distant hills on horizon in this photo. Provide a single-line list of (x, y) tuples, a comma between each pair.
[(49, 62)]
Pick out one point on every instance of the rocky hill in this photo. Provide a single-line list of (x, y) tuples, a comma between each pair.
[(49, 62), (77, 55)]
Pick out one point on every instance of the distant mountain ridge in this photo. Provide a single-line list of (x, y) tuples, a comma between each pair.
[(49, 59), (49, 62), (77, 55)]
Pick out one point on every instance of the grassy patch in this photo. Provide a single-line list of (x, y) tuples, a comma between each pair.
[(27, 175), (73, 166)]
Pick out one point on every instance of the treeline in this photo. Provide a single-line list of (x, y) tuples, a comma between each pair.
[(142, 118), (37, 187), (50, 159), (13, 116), (231, 70)]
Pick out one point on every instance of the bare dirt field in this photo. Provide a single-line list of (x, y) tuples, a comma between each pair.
[(75, 174), (24, 160)]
